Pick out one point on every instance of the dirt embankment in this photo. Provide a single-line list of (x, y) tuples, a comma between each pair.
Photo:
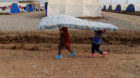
[(82, 37)]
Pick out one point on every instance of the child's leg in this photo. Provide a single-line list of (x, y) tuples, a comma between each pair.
[(98, 49), (93, 48), (67, 47), (60, 47), (72, 53)]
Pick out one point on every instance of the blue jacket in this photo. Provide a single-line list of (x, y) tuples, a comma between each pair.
[(97, 39)]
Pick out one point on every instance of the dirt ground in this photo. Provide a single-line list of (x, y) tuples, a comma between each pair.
[(121, 62), (30, 54)]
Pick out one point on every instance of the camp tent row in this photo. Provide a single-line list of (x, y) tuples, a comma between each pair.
[(13, 8), (77, 8), (121, 5), (119, 2)]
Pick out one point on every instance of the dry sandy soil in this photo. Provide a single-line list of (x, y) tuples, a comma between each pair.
[(121, 62), (31, 54)]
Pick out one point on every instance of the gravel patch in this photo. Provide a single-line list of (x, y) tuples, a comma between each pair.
[(29, 21)]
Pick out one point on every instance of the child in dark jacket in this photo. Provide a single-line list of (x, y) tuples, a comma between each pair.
[(64, 42), (97, 39)]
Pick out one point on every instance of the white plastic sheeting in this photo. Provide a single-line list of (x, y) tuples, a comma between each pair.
[(123, 7), (5, 7), (51, 22), (114, 6), (137, 7), (23, 5), (78, 8), (133, 1), (107, 6)]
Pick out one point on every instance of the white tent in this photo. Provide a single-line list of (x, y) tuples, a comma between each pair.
[(114, 6), (137, 7), (5, 7), (123, 7), (119, 1), (42, 7), (107, 6), (78, 8), (9, 8)]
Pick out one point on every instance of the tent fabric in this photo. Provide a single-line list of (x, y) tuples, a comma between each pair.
[(123, 7), (52, 22), (9, 8), (107, 6), (110, 7), (15, 8), (114, 6), (119, 2), (137, 7), (78, 8), (23, 5), (130, 8), (29, 8), (46, 8), (118, 7), (5, 4), (104, 8)]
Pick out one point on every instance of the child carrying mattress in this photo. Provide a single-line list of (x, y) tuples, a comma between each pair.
[(64, 42), (97, 39)]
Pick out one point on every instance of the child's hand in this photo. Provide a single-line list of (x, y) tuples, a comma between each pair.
[(105, 30)]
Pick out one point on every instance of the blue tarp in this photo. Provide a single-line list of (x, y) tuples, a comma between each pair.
[(29, 8), (130, 8), (104, 8), (118, 8), (110, 7), (14, 8), (46, 7)]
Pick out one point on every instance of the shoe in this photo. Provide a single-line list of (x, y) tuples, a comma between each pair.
[(58, 57), (92, 55), (104, 54), (72, 54)]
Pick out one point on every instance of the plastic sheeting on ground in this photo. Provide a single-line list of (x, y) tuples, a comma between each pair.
[(52, 22)]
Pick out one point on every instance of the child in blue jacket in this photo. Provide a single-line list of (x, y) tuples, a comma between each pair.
[(97, 39)]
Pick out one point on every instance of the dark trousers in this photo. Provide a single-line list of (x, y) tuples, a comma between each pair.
[(95, 47), (61, 46)]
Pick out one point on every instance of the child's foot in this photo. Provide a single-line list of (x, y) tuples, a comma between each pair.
[(92, 55), (104, 54), (72, 54), (58, 57)]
